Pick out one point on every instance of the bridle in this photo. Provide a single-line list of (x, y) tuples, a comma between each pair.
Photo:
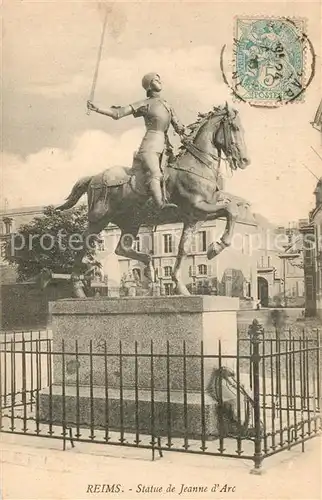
[(209, 159)]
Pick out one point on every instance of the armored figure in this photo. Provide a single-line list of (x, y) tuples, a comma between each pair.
[(158, 115)]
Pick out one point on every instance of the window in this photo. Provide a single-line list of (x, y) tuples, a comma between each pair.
[(202, 270), (136, 273), (308, 256), (167, 271), (137, 244), (167, 243), (202, 241), (8, 224), (168, 287)]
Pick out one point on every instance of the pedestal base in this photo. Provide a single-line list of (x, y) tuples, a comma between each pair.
[(153, 345), (192, 418)]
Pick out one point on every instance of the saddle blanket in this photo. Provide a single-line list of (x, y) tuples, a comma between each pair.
[(116, 176)]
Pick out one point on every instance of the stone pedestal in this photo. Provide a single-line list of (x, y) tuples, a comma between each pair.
[(114, 339)]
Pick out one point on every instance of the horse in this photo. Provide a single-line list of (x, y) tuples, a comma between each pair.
[(192, 182)]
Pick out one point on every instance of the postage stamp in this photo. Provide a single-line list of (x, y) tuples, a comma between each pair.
[(269, 62)]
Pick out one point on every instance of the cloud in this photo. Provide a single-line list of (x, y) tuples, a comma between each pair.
[(47, 177), (57, 90), (190, 75)]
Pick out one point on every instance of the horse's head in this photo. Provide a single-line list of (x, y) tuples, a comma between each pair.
[(228, 136)]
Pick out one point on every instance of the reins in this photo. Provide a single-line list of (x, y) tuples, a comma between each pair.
[(207, 159)]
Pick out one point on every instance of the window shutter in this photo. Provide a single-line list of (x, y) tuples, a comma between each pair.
[(193, 245), (159, 271), (158, 243)]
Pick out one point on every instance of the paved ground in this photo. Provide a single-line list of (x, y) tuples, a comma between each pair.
[(36, 468)]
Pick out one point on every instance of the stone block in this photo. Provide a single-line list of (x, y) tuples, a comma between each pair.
[(159, 324), (108, 342), (130, 414)]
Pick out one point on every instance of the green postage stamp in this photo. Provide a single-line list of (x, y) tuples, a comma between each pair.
[(269, 63)]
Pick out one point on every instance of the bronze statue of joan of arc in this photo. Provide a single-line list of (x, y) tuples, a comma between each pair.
[(158, 115)]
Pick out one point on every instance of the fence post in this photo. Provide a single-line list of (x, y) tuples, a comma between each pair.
[(255, 332)]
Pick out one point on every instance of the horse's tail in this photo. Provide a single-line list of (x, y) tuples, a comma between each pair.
[(78, 190)]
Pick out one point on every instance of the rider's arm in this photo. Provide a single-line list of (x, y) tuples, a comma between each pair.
[(115, 112), (176, 123)]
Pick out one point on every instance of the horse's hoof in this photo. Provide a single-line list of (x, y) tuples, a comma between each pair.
[(181, 289), (215, 249), (78, 289), (79, 293)]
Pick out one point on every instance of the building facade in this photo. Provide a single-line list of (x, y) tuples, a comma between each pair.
[(251, 268), (280, 272), (313, 257), (10, 222)]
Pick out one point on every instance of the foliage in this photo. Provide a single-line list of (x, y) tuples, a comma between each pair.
[(48, 242)]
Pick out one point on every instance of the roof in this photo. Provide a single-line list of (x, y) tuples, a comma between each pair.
[(21, 211)]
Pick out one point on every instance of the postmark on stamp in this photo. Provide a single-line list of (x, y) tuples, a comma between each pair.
[(270, 59)]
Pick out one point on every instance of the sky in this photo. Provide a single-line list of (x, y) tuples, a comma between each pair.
[(48, 58)]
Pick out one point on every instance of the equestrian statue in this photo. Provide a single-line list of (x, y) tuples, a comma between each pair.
[(187, 185)]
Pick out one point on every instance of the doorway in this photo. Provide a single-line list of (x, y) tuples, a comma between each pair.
[(262, 284)]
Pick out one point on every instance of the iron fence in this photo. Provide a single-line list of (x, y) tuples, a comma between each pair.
[(260, 400)]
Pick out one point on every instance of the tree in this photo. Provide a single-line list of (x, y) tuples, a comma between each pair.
[(47, 242)]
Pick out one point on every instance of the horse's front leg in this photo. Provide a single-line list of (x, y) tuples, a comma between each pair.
[(221, 206), (230, 214), (231, 217), (187, 233)]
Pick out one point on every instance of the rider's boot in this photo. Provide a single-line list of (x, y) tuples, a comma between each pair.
[(156, 192)]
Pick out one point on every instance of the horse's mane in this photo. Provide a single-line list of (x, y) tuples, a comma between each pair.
[(202, 119)]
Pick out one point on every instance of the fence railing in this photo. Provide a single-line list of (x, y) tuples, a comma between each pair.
[(262, 399)]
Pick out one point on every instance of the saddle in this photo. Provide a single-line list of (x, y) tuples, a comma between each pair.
[(134, 176), (112, 177)]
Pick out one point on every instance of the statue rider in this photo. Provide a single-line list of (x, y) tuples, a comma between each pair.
[(158, 115)]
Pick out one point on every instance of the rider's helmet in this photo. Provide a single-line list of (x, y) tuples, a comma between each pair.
[(147, 79)]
